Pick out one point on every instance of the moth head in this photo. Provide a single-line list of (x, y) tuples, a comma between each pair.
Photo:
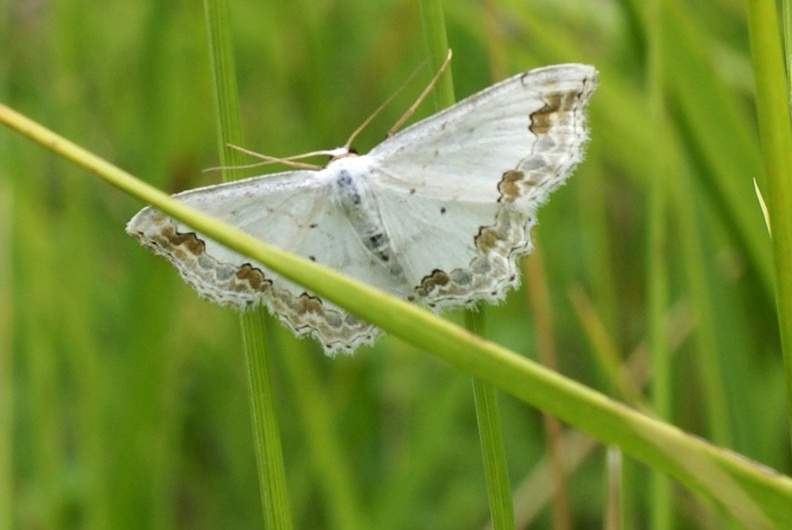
[(341, 152)]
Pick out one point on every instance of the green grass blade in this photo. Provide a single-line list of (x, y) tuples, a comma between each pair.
[(269, 453), (493, 454), (772, 103), (434, 29), (485, 395)]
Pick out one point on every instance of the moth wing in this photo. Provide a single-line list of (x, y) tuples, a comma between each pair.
[(459, 191), (293, 211)]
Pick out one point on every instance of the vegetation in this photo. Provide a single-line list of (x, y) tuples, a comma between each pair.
[(125, 400)]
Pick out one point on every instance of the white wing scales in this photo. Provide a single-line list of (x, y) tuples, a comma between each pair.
[(285, 211), (439, 212), (448, 262)]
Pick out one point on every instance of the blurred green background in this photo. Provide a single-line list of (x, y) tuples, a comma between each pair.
[(123, 397)]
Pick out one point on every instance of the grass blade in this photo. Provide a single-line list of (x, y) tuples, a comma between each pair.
[(485, 395), (269, 454), (772, 105)]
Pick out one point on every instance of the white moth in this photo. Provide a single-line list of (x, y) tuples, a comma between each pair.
[(438, 213)]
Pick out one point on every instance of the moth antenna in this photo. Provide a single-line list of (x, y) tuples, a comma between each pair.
[(295, 165), (423, 95), (289, 161), (374, 114)]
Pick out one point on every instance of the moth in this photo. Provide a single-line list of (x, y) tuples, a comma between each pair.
[(438, 213)]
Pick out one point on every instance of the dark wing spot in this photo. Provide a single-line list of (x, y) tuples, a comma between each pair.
[(509, 185), (189, 240), (556, 105), (486, 239), (543, 119)]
